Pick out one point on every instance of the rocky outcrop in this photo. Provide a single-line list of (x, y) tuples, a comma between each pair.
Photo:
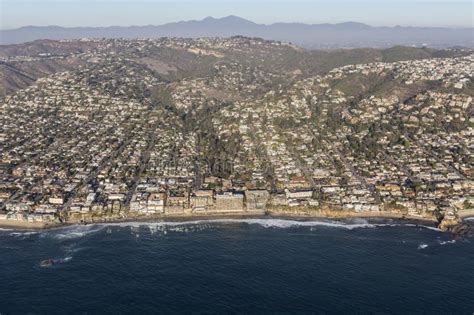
[(447, 224), (456, 226), (460, 229)]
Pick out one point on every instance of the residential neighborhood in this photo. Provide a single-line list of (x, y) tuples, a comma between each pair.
[(170, 127)]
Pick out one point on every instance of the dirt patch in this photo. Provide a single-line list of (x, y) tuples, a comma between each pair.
[(157, 65)]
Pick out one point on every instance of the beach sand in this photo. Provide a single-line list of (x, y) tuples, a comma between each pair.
[(288, 214), (25, 225), (468, 213)]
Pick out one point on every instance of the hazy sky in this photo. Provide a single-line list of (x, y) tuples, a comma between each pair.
[(451, 13)]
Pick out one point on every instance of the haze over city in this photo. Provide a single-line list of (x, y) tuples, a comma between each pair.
[(72, 13)]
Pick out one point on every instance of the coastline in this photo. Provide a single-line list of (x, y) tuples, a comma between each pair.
[(464, 214), (303, 215), (353, 215), (26, 225)]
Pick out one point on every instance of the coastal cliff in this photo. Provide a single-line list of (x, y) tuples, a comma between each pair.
[(448, 223), (456, 226), (342, 214)]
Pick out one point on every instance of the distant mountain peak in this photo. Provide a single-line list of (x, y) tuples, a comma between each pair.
[(335, 35), (228, 19), (234, 18), (209, 18), (354, 24)]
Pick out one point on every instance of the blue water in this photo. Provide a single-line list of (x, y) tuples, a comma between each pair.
[(249, 266)]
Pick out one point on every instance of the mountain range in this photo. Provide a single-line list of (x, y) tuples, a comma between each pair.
[(341, 35)]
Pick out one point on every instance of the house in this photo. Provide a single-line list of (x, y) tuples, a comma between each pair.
[(90, 198), (116, 196), (278, 200), (155, 204), (202, 200), (298, 181), (299, 194), (138, 202), (56, 200), (229, 202), (256, 199), (174, 210)]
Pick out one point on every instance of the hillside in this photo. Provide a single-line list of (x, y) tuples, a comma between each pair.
[(203, 126), (22, 64)]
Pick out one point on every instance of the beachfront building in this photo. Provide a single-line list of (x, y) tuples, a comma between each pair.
[(229, 202), (256, 199)]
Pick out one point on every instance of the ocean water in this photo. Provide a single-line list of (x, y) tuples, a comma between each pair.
[(237, 266)]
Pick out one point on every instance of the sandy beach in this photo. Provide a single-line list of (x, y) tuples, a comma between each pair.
[(24, 225), (463, 214), (288, 214)]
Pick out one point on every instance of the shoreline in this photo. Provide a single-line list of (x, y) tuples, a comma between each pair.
[(465, 214), (283, 215), (25, 225)]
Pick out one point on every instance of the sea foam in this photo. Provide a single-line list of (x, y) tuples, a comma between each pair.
[(71, 232), (422, 246), (447, 242), (23, 234), (267, 223), (78, 231)]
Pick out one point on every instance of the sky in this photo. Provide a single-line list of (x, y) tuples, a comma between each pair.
[(69, 13)]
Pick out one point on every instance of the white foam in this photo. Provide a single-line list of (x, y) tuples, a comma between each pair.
[(78, 231), (447, 242), (72, 249), (422, 246), (183, 226), (421, 226), (72, 232), (22, 234), (266, 223)]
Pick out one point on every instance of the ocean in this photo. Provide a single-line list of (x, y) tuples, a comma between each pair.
[(255, 266)]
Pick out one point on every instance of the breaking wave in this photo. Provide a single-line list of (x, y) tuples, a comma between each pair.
[(78, 231), (72, 249), (447, 242), (71, 232), (22, 234), (67, 259), (269, 223), (422, 246), (421, 226)]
